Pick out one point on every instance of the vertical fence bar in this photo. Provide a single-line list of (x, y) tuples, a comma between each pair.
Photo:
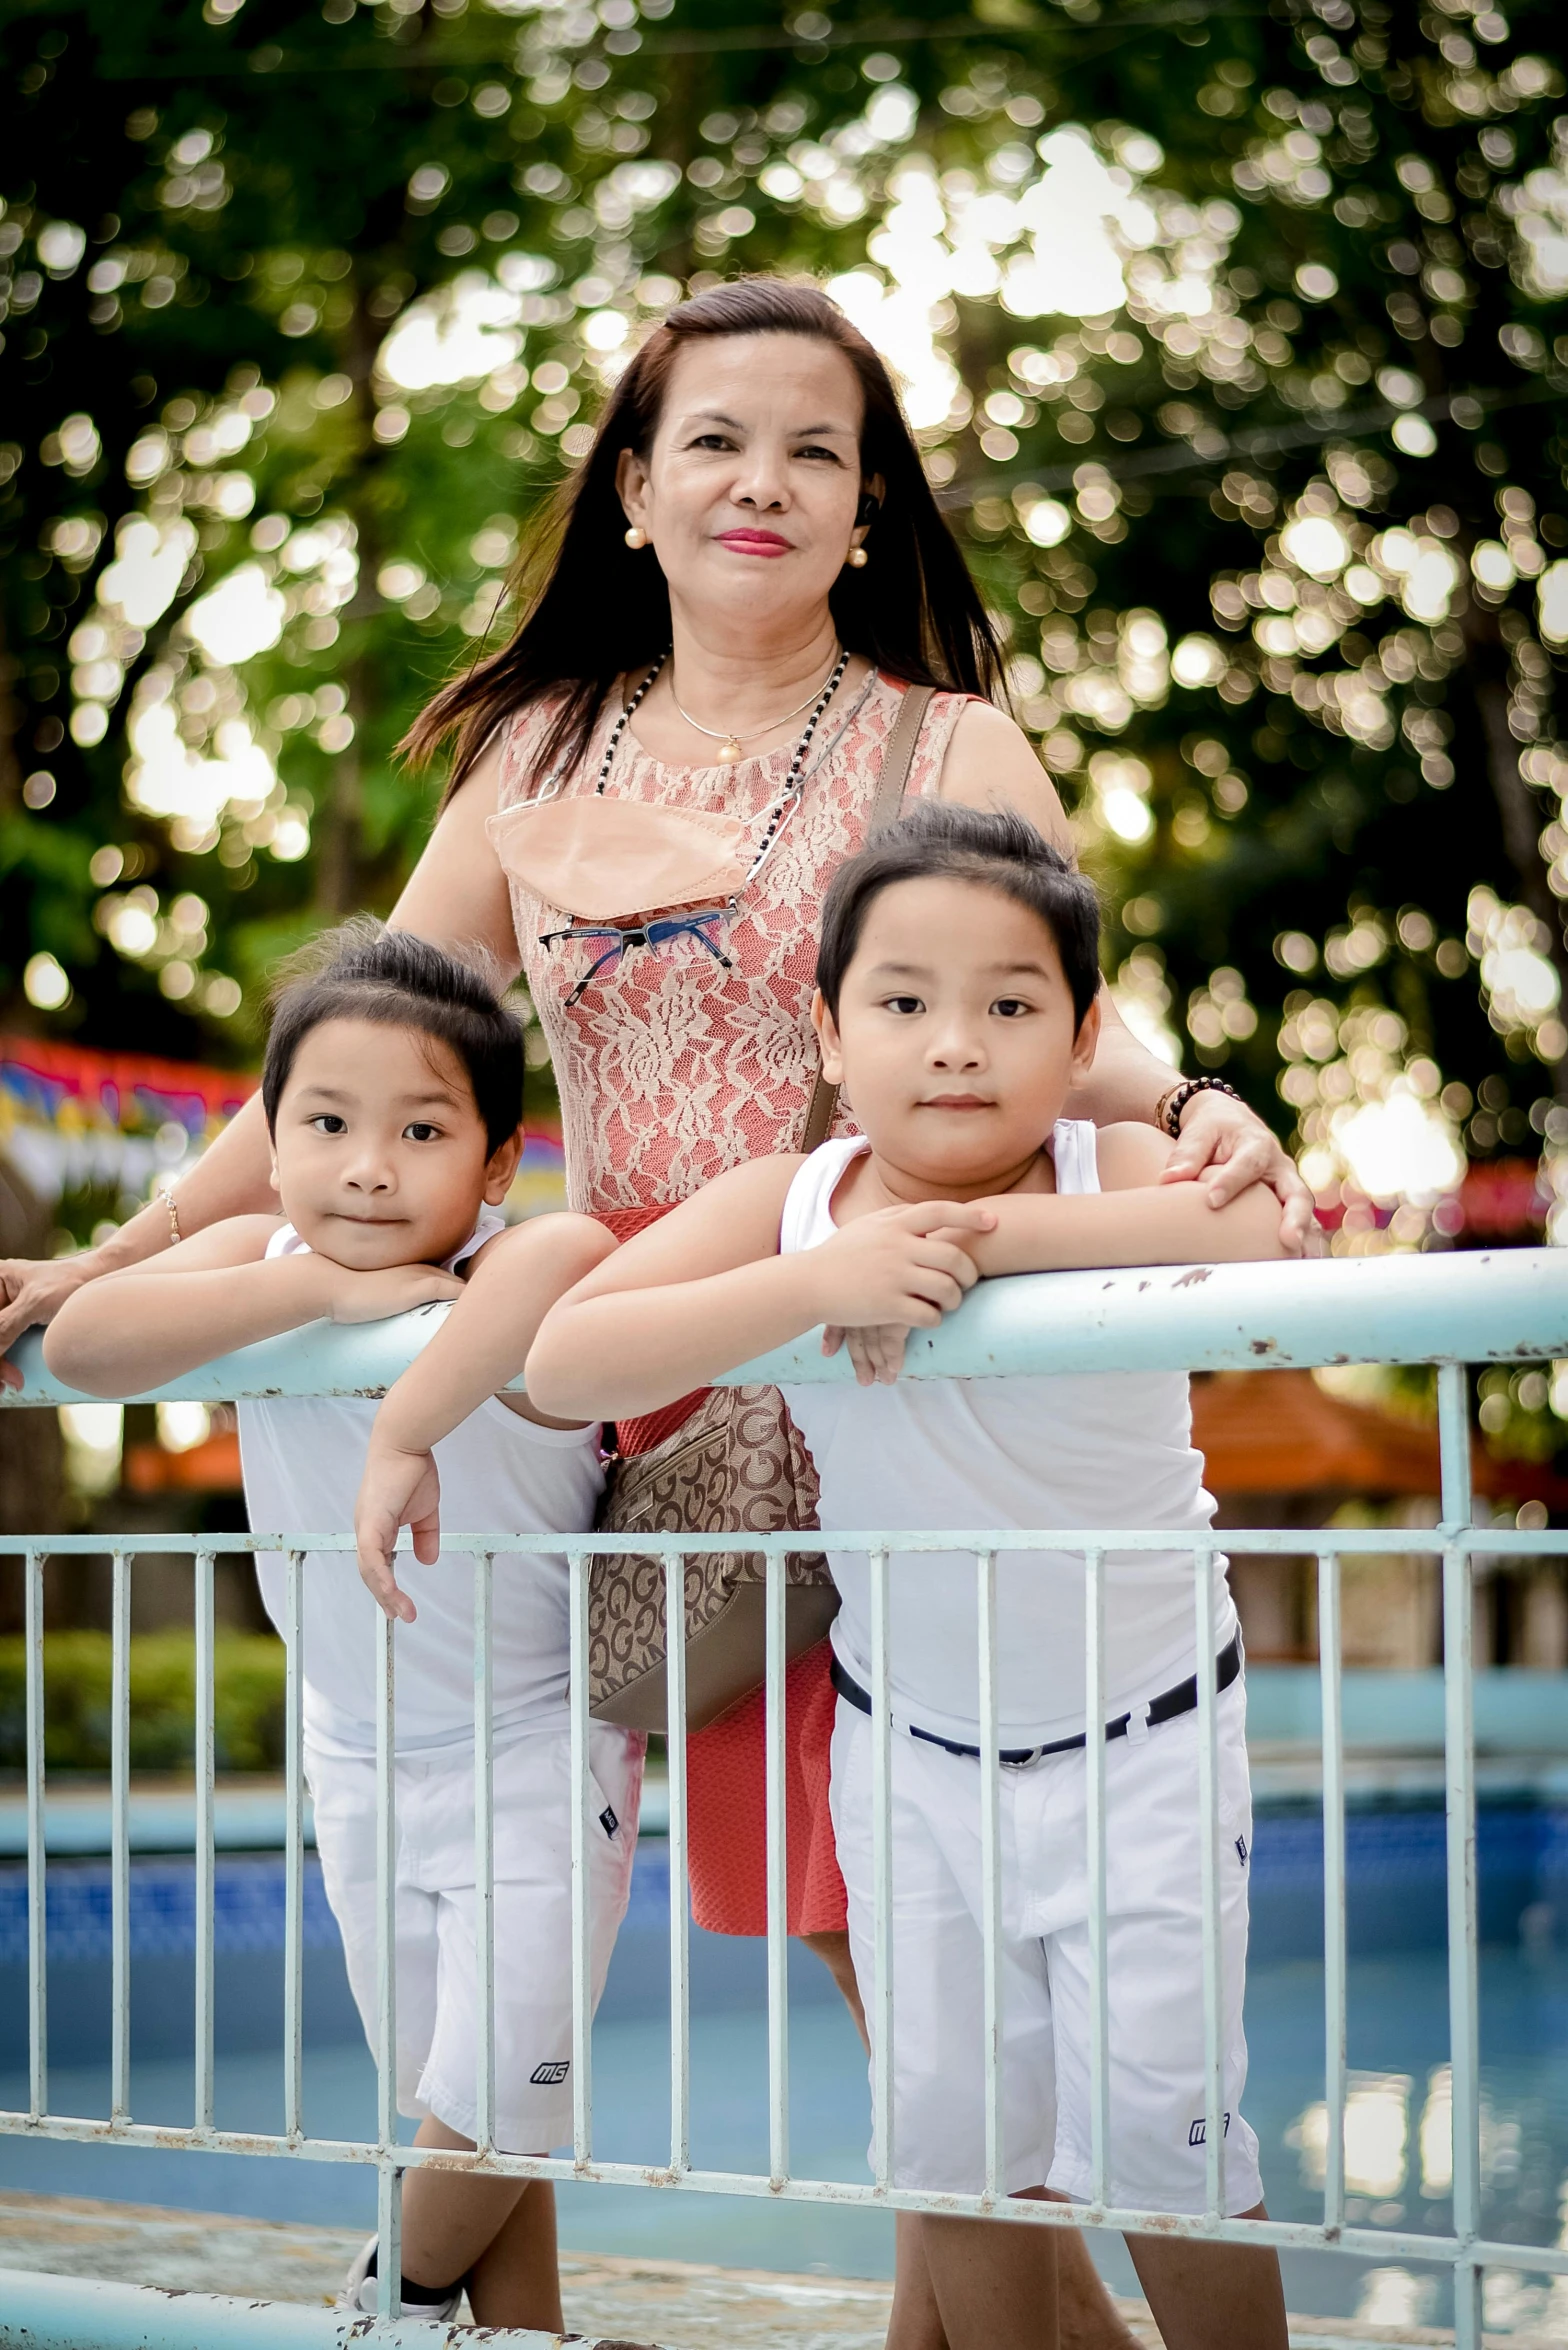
[(120, 1842), (389, 2236), (484, 1851), (680, 1936), (881, 2018), (293, 1845), (206, 1881), (1331, 1673), (37, 1850), (990, 1740), (1214, 2116), (389, 2179), (776, 1572), (1453, 1422), (582, 1936), (1094, 1817)]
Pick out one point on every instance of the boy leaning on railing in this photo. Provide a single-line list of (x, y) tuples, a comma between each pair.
[(393, 1088), (956, 1006)]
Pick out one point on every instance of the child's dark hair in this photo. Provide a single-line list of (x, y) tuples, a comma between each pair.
[(1001, 850), (363, 972)]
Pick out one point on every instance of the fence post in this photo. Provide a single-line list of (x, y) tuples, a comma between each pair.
[(294, 1846), (1330, 1668), (206, 1880), (776, 1573), (1453, 1421), (37, 1851), (482, 1569), (680, 1933), (120, 1842), (389, 2178)]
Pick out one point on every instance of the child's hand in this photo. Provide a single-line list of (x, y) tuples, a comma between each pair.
[(398, 1489), (899, 1266), (395, 1289), (876, 1352)]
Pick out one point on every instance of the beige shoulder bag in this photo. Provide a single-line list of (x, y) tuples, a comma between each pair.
[(738, 1463)]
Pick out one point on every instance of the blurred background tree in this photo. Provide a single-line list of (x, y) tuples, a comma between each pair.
[(1233, 336)]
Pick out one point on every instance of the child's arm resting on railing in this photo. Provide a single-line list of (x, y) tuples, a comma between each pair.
[(706, 1289), (512, 1282), (218, 1290), (1135, 1218)]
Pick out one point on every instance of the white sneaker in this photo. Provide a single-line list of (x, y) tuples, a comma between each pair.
[(359, 2292)]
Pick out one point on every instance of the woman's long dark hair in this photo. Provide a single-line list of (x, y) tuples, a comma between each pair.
[(593, 609)]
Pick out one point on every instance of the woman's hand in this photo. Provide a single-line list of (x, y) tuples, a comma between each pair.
[(899, 1267), (1225, 1147), (395, 1289), (32, 1290), (398, 1489)]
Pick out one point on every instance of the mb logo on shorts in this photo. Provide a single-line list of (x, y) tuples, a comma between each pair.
[(550, 2076), (1197, 2132)]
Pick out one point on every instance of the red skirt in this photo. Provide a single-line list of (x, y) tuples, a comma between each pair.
[(726, 1792)]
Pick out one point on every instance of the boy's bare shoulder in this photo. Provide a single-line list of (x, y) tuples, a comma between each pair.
[(1131, 1155)]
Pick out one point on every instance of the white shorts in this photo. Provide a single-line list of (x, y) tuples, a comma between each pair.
[(1154, 1944), (437, 1993)]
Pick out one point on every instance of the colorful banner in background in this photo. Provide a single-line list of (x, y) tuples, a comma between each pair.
[(73, 1119)]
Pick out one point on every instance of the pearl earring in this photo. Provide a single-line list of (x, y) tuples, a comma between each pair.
[(857, 558), (636, 536)]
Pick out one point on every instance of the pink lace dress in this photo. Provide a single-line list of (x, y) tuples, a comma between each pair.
[(668, 1075)]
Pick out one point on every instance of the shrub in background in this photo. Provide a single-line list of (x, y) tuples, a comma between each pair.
[(248, 1688)]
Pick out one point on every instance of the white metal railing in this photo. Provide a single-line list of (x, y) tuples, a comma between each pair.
[(1450, 1311)]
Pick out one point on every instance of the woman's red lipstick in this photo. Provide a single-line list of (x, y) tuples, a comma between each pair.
[(754, 542)]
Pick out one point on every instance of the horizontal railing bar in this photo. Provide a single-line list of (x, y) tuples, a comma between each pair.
[(1287, 2235), (1471, 1306), (47, 2312), (1290, 1541)]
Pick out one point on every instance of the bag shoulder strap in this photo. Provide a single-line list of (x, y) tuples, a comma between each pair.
[(892, 783)]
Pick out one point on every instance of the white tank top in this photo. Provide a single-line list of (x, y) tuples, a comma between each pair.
[(500, 1473), (1114, 1449)]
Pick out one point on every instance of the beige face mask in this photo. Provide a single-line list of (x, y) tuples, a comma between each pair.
[(601, 859)]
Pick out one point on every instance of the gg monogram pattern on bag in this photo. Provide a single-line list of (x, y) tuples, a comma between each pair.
[(739, 1461)]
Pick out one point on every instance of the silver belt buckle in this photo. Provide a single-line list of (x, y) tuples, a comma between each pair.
[(1021, 1762)]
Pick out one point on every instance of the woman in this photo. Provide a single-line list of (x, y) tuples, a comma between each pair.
[(745, 574)]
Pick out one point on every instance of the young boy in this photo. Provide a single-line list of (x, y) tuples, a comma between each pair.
[(393, 1089), (957, 983)]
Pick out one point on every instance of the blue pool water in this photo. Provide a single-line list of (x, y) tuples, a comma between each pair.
[(1396, 2143)]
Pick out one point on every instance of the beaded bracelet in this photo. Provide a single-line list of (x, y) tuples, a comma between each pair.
[(167, 1197), (1172, 1104)]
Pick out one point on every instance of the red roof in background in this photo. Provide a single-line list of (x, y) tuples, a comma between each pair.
[(1280, 1432)]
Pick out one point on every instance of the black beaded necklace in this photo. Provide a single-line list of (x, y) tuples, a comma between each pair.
[(793, 781)]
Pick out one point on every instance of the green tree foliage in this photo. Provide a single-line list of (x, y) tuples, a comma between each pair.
[(1233, 338)]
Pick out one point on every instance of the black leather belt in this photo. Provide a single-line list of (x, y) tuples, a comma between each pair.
[(1166, 1707)]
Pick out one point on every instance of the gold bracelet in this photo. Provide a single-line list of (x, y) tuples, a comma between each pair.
[(166, 1195)]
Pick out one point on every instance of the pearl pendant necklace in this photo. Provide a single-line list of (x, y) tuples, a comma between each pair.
[(731, 744)]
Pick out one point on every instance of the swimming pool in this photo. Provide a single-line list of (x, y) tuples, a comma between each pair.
[(1396, 2122)]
